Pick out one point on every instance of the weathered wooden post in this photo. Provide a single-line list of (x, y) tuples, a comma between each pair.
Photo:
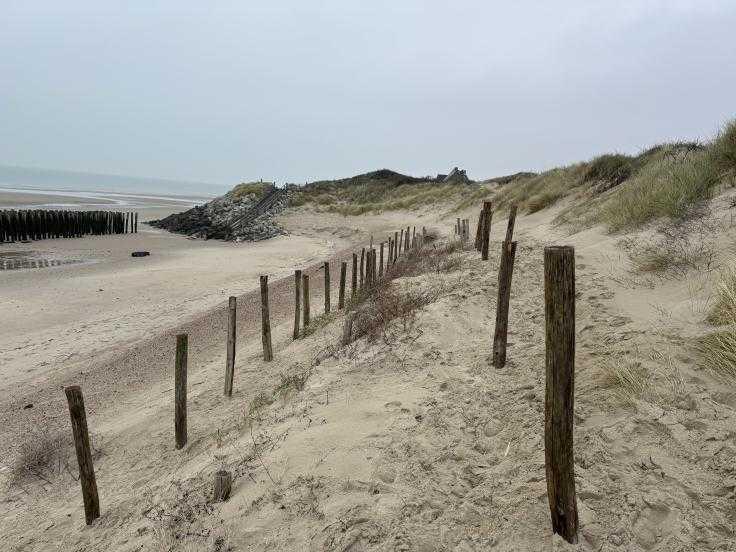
[(230, 362), (305, 289), (390, 252), (374, 267), (362, 268), (87, 480), (380, 263), (401, 241), (354, 279), (327, 287), (505, 272), (397, 247), (265, 321), (136, 223), (406, 246), (180, 391), (512, 221), (479, 231), (457, 226), (223, 485), (347, 328), (297, 301), (341, 295), (559, 310), (488, 214)]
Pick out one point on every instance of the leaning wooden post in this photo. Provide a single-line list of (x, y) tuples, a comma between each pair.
[(87, 479), (341, 295), (180, 391), (559, 310), (223, 485), (488, 213), (265, 321), (327, 287), (512, 221), (354, 278), (505, 272), (380, 263), (305, 290), (230, 362), (297, 301)]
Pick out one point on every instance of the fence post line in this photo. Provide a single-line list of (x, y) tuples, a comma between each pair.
[(341, 295), (305, 290), (488, 214), (327, 287), (380, 263), (297, 301), (87, 479), (559, 310), (265, 321), (180, 390), (511, 223), (505, 273), (231, 332)]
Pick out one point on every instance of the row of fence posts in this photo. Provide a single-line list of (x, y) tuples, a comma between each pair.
[(559, 308), (372, 268), (37, 224)]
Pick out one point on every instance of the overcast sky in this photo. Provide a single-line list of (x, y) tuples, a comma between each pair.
[(303, 90)]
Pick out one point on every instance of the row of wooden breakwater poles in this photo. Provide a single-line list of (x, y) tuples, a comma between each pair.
[(38, 224), (368, 268)]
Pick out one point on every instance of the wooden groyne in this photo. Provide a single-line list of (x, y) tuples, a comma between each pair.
[(36, 224)]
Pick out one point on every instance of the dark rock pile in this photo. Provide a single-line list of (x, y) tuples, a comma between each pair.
[(245, 213)]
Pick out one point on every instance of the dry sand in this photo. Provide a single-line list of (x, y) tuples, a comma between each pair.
[(409, 443)]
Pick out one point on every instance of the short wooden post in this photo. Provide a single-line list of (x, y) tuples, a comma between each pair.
[(362, 268), (559, 310), (354, 279), (297, 301), (380, 263), (305, 290), (223, 485), (347, 328), (488, 213), (78, 416), (341, 295), (230, 362), (505, 272), (180, 391), (512, 221), (265, 321), (327, 287)]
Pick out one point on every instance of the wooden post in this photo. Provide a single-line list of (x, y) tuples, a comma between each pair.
[(347, 328), (362, 267), (559, 310), (397, 247), (297, 301), (341, 296), (327, 287), (505, 272), (479, 231), (401, 241), (305, 289), (512, 221), (457, 226), (136, 223), (354, 279), (390, 252), (380, 263), (488, 213), (223, 485), (230, 363), (406, 246), (265, 321), (180, 391), (87, 479)]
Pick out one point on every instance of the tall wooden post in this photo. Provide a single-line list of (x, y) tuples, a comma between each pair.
[(401, 241), (180, 391), (512, 221), (297, 301), (488, 213), (341, 296), (380, 263), (397, 247), (265, 321), (406, 246), (390, 252), (230, 362), (327, 287), (305, 289), (354, 278), (87, 480), (559, 309), (136, 223), (479, 231), (505, 272), (362, 267)]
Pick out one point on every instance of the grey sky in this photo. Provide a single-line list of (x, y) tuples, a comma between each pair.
[(302, 90)]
